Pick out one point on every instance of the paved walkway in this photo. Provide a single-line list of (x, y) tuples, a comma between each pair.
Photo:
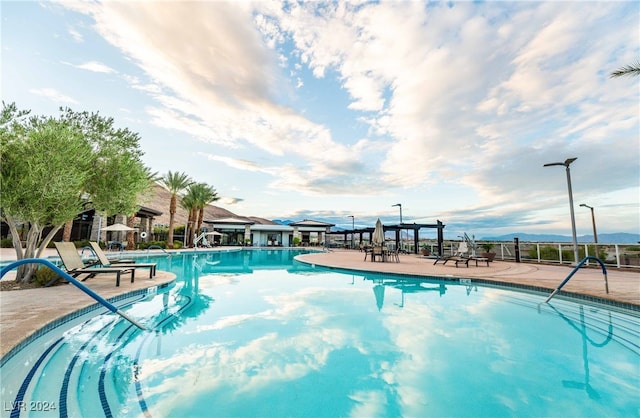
[(23, 312)]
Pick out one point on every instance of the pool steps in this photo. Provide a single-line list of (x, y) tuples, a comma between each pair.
[(74, 282)]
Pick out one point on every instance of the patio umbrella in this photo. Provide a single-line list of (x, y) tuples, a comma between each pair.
[(378, 234), (118, 228), (378, 291)]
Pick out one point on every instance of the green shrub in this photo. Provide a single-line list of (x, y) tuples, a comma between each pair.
[(44, 275), (550, 253), (6, 243), (487, 246), (546, 253), (145, 245), (177, 245)]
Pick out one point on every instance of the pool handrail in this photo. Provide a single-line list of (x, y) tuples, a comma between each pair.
[(575, 269), (73, 281), (157, 247)]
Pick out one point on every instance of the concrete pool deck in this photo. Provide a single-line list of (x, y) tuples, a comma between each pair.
[(23, 312)]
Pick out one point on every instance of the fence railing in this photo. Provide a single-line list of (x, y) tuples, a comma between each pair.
[(613, 255)]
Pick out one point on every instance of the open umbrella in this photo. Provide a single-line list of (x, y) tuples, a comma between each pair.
[(118, 227), (378, 234)]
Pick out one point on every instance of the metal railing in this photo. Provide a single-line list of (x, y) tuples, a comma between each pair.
[(624, 256), (576, 268), (156, 247), (74, 282)]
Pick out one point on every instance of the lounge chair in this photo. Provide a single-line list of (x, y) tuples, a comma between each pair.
[(106, 262), (461, 256), (74, 266)]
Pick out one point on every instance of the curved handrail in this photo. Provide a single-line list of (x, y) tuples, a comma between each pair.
[(157, 247), (86, 247), (73, 281), (575, 269)]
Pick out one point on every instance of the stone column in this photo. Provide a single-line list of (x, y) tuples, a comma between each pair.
[(98, 223), (247, 233)]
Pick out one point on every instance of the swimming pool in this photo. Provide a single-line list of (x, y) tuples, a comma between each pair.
[(253, 333)]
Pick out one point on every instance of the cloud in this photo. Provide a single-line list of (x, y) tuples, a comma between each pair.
[(77, 36), (474, 96), (53, 95), (96, 67), (231, 200)]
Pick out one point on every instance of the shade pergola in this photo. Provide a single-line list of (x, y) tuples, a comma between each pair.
[(397, 228)]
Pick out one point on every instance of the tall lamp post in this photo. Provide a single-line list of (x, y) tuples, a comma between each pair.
[(593, 223), (566, 165), (400, 206), (353, 228)]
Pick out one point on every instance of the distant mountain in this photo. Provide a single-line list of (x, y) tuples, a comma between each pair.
[(281, 222), (615, 238)]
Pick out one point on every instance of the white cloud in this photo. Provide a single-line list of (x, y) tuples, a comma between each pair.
[(96, 67), (53, 95), (77, 36), (459, 96)]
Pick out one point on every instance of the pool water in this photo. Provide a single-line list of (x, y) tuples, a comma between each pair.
[(253, 333)]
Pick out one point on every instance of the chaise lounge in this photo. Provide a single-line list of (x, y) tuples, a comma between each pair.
[(106, 262), (74, 265)]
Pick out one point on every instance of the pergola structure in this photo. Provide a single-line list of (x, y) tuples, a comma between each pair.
[(397, 228)]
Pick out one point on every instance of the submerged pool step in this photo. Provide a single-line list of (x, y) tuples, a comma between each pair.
[(597, 320)]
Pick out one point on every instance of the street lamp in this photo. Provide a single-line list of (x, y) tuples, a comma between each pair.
[(593, 223), (400, 206), (353, 228), (566, 165)]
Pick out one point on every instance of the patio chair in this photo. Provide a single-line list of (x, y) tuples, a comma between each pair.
[(75, 267), (377, 251), (394, 255), (107, 262)]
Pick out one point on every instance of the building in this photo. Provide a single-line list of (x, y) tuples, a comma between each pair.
[(244, 231)]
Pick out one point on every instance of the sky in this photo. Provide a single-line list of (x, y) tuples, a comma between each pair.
[(326, 110)]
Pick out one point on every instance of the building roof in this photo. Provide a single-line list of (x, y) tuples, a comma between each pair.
[(146, 212), (230, 221), (308, 222)]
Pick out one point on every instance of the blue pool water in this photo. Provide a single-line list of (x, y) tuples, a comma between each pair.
[(253, 333)]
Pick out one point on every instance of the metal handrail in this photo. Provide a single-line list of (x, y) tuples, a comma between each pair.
[(575, 269), (74, 282), (157, 247)]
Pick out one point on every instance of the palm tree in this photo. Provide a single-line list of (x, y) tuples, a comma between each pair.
[(205, 196), (198, 196), (629, 70), (189, 203), (175, 183)]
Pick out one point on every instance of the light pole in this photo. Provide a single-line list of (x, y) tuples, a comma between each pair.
[(353, 227), (593, 223), (400, 206), (566, 165)]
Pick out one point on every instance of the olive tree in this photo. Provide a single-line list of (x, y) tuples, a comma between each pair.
[(51, 166)]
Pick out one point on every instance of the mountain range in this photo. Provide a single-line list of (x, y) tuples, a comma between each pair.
[(614, 238)]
